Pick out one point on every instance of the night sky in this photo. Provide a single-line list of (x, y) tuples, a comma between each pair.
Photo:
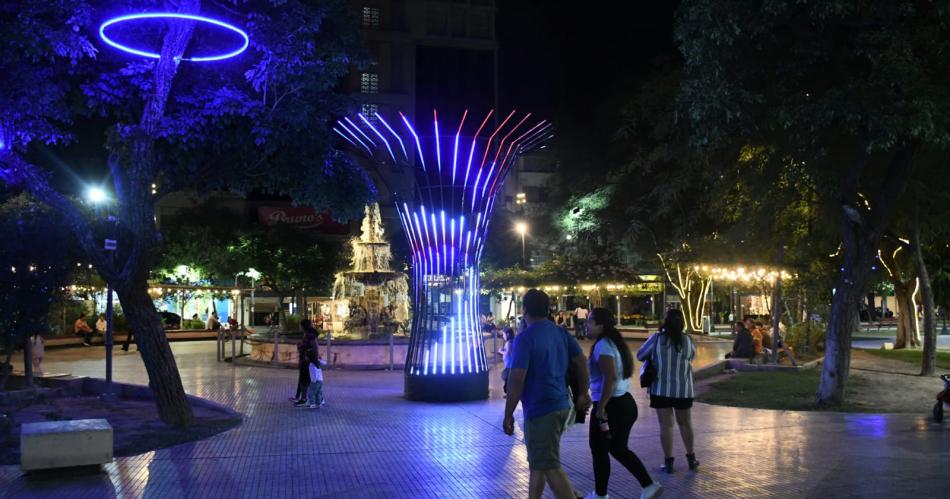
[(574, 66)]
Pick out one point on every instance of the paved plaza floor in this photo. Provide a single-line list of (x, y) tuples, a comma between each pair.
[(370, 442)]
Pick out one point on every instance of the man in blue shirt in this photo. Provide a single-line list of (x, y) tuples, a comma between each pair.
[(537, 379)]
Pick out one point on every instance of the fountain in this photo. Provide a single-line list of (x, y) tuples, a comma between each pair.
[(371, 300)]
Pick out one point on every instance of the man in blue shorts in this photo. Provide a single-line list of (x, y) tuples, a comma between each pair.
[(537, 379)]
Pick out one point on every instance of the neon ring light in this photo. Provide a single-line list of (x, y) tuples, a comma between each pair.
[(173, 15)]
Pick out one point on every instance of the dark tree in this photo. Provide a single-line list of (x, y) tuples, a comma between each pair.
[(37, 261), (853, 90), (257, 122), (289, 261)]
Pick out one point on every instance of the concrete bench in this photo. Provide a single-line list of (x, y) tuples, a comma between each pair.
[(58, 444)]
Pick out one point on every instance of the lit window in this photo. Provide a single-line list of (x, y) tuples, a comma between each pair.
[(520, 198), (370, 110), (369, 83), (370, 18)]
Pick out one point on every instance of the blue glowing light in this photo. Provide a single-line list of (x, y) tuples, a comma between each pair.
[(446, 223), (173, 15)]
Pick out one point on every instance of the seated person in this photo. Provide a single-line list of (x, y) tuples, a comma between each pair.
[(213, 323), (744, 345)]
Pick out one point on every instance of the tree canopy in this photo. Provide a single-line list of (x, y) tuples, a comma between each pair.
[(256, 122)]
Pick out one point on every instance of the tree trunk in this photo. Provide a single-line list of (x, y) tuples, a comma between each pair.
[(861, 234), (906, 315), (777, 300), (164, 380), (849, 292), (928, 362)]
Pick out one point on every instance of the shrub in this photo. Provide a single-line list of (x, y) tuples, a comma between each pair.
[(120, 323), (795, 336), (192, 324), (292, 323)]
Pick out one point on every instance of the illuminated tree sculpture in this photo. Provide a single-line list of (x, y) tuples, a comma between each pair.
[(445, 219)]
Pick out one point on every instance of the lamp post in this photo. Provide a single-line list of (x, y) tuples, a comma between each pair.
[(254, 275), (97, 196), (522, 228)]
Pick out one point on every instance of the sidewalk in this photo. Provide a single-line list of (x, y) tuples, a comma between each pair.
[(370, 442)]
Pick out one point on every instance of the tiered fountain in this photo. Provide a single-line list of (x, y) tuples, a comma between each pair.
[(374, 298)]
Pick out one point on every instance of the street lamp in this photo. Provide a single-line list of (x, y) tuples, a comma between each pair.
[(97, 196), (522, 228), (254, 275)]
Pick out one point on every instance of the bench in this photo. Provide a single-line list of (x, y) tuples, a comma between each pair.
[(59, 444), (886, 322)]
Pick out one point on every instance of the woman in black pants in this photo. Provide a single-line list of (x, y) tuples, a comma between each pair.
[(615, 411), (309, 341)]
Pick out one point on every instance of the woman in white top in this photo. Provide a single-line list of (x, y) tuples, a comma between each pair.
[(672, 391), (509, 337), (614, 411)]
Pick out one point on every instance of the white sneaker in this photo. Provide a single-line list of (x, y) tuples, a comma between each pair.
[(593, 495), (313, 406), (652, 490)]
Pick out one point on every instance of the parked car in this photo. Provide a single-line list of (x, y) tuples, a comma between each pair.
[(170, 320)]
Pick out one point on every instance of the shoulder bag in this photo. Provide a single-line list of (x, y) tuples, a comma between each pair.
[(648, 371)]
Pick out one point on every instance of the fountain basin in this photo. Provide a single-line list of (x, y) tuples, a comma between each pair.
[(341, 354)]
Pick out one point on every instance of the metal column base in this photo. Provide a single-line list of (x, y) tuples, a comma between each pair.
[(447, 387)]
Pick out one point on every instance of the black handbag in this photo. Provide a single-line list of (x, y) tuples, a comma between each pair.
[(648, 372)]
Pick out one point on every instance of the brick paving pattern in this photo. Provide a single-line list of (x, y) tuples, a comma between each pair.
[(370, 442)]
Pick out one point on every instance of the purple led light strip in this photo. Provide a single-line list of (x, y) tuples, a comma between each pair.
[(445, 249)]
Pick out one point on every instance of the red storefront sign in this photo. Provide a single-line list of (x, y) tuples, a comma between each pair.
[(301, 218)]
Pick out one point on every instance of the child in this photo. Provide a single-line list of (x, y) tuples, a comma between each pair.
[(37, 344), (315, 390), (509, 336)]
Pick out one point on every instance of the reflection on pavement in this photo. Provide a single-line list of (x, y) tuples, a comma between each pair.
[(370, 442)]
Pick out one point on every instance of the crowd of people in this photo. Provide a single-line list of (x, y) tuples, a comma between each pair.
[(82, 329), (754, 340), (546, 371)]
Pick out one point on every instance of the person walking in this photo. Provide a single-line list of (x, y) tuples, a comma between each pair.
[(538, 380), (671, 393), (614, 410), (37, 351), (128, 340), (81, 328), (580, 317)]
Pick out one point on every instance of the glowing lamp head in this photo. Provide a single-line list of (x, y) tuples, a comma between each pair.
[(521, 228), (96, 195)]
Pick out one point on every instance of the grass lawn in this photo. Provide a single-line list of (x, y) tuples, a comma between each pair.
[(782, 390), (912, 356)]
